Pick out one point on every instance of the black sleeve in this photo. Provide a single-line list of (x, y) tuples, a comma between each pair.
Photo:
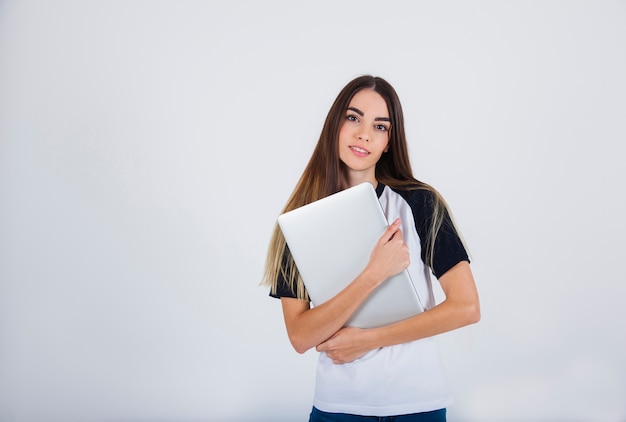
[(449, 249), (282, 287)]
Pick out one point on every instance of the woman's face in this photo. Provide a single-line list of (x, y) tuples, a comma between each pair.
[(364, 136)]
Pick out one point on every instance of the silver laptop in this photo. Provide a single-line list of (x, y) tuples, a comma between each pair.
[(331, 241)]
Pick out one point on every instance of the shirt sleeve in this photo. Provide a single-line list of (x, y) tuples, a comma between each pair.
[(449, 249), (282, 286)]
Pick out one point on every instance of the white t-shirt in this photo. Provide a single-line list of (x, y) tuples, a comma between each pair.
[(402, 379), (406, 378)]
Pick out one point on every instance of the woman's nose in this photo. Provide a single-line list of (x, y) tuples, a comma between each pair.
[(364, 135)]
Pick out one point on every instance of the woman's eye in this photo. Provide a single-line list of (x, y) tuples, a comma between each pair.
[(382, 127), (352, 118)]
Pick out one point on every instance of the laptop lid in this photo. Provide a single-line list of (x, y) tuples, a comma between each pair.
[(331, 241)]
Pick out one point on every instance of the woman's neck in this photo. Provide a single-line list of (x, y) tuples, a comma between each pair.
[(356, 178)]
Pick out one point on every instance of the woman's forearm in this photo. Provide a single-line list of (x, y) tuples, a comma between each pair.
[(308, 327), (460, 308), (444, 317)]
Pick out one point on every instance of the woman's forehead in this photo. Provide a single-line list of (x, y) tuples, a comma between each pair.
[(369, 102)]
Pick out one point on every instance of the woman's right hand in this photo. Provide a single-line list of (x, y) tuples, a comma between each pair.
[(390, 254)]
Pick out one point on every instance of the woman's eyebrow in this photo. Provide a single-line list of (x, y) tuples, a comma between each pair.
[(360, 113), (357, 111)]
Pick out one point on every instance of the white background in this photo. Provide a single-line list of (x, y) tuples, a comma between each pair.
[(146, 148)]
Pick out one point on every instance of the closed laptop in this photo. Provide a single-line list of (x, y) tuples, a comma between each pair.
[(331, 241)]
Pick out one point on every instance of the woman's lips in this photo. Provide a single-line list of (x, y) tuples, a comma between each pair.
[(360, 152)]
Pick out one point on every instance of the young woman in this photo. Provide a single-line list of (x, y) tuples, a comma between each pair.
[(392, 371)]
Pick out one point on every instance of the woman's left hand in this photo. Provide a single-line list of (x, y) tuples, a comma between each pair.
[(345, 346)]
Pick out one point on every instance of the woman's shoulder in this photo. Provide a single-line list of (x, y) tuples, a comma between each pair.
[(420, 198)]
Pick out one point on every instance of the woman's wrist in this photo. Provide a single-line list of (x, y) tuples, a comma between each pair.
[(372, 276), (370, 339)]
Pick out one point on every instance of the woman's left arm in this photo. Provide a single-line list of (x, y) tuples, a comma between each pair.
[(459, 308)]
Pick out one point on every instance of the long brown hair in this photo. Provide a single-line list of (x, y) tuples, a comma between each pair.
[(326, 174)]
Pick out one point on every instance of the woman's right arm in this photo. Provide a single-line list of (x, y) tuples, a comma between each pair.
[(307, 327)]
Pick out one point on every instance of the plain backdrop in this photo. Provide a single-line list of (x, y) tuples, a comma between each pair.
[(147, 147)]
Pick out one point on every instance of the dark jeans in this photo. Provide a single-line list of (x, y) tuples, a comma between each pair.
[(434, 416)]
